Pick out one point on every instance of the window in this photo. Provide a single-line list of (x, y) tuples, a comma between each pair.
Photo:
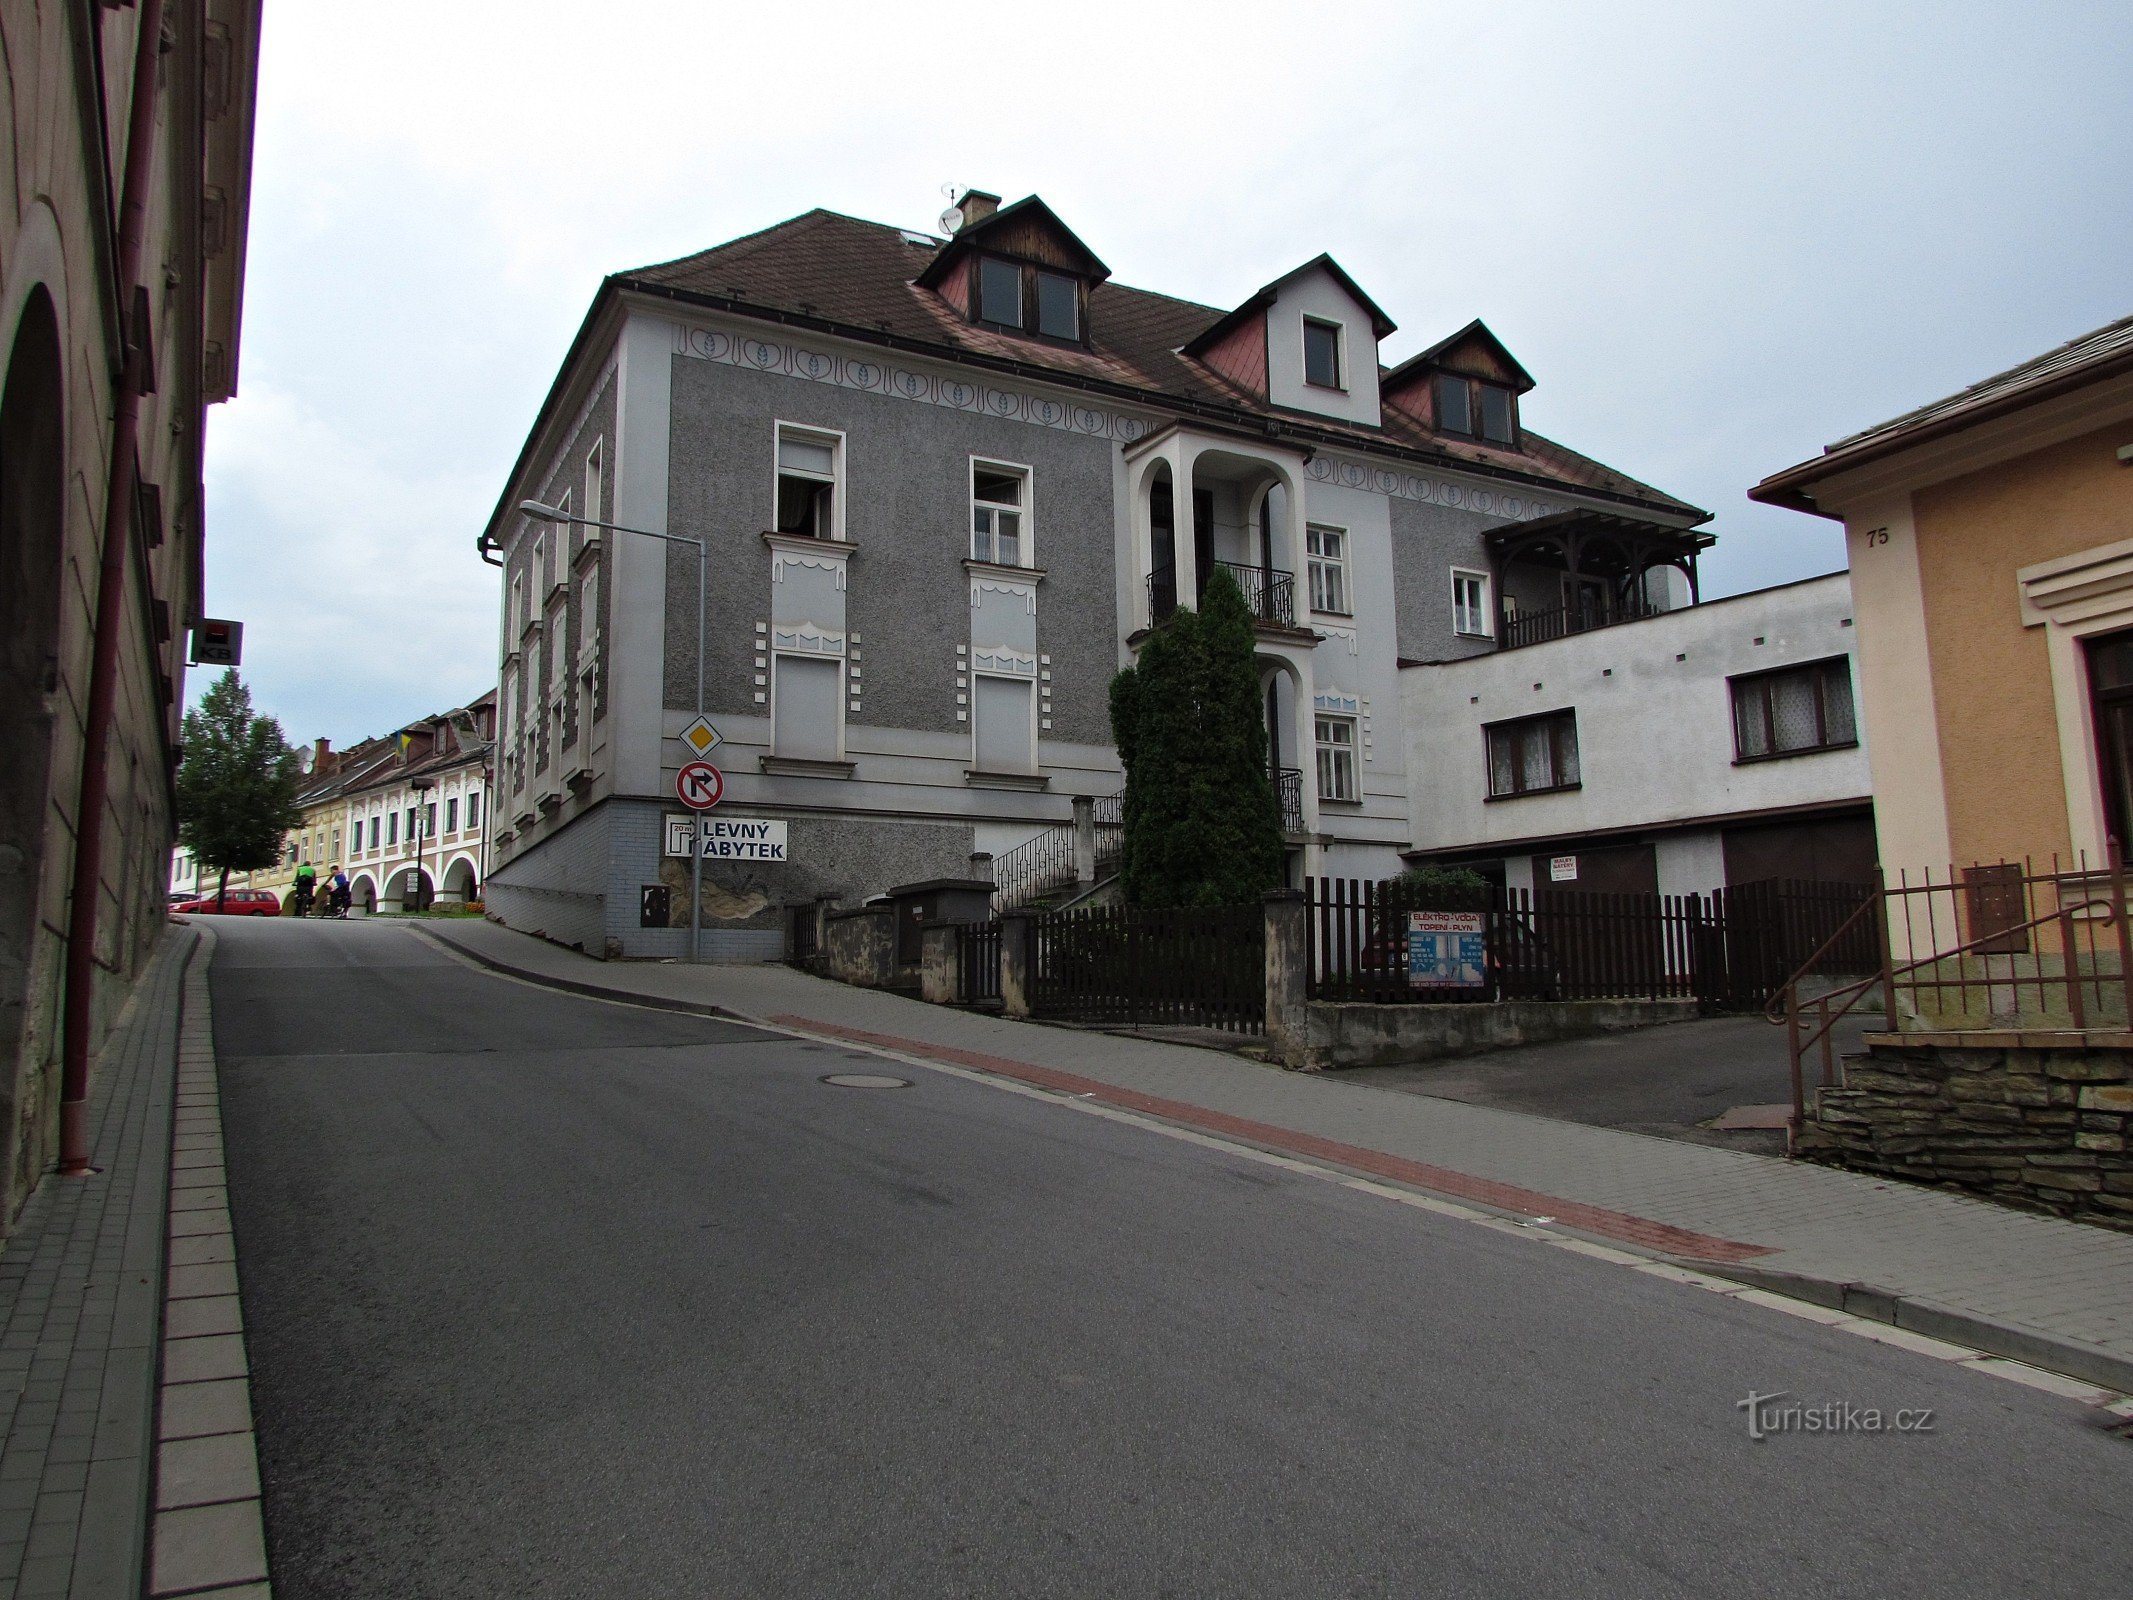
[(1328, 552), (1058, 306), (807, 484), (1533, 754), (996, 507), (392, 828), (1470, 603), (474, 809), (515, 625), (1495, 413), (429, 820), (1455, 409), (336, 841), (374, 833), (1004, 732), (1336, 758), (806, 707), (410, 824), (1793, 711), (559, 568), (1322, 353), (2110, 663), (999, 292)]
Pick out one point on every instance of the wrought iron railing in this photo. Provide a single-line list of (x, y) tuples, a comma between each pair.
[(1289, 790), (1269, 592), (1031, 868), (1559, 622)]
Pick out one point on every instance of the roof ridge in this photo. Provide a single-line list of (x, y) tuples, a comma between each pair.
[(736, 243)]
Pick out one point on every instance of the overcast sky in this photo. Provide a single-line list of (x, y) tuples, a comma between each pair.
[(1718, 235)]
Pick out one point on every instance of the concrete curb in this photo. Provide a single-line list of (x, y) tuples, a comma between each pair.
[(2030, 1346)]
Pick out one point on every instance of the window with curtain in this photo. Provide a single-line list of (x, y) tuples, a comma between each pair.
[(1533, 754), (1794, 710)]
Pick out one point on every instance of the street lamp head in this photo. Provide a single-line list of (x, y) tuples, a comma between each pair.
[(534, 509)]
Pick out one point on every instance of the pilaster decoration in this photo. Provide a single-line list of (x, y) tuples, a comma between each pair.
[(825, 555), (1007, 663), (1350, 637), (808, 639)]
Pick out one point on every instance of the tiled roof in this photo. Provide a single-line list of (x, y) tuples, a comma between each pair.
[(857, 274), (2087, 359)]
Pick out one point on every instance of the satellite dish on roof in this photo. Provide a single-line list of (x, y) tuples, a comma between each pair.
[(952, 220)]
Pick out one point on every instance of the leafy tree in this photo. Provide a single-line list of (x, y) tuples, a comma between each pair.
[(1202, 824), (236, 785), (1443, 889)]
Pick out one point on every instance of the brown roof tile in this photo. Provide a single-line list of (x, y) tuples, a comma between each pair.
[(858, 274)]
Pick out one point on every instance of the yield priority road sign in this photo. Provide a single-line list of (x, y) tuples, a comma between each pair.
[(700, 785), (701, 737)]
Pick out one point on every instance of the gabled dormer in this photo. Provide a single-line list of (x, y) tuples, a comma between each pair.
[(1307, 341), (1016, 269), (1465, 387)]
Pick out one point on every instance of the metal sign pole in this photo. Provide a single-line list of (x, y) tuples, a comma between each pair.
[(696, 831)]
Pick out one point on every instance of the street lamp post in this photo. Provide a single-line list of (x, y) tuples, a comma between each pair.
[(545, 513), (423, 786)]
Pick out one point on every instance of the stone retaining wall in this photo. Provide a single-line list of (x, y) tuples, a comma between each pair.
[(1347, 1034), (2036, 1120)]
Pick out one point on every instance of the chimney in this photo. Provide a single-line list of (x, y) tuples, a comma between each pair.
[(321, 754), (976, 205)]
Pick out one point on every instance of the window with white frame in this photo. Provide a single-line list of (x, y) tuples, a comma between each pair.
[(1003, 723), (1322, 353), (1336, 758), (809, 467), (807, 706), (1327, 549), (451, 814), (515, 624), (999, 496), (1470, 603)]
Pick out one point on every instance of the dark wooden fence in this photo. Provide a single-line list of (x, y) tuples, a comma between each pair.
[(977, 962), (1553, 945), (1774, 926), (1122, 964)]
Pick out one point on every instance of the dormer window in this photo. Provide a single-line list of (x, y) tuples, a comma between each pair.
[(1468, 406), (1028, 299), (1322, 353)]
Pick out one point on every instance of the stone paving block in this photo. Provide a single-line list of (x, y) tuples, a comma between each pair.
[(43, 1576), (196, 1158), (193, 1472), (211, 1277), (194, 1181), (187, 1224), (203, 1546), (214, 1356), (189, 1319), (191, 1409), (202, 1247)]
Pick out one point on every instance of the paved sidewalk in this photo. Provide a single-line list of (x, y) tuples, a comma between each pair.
[(2056, 1294), (81, 1290)]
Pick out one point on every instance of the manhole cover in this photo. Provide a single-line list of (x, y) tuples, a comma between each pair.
[(866, 1080)]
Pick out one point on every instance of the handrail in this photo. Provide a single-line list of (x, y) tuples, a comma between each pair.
[(1770, 1012), (1853, 991)]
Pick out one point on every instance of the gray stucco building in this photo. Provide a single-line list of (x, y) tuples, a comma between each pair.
[(944, 487)]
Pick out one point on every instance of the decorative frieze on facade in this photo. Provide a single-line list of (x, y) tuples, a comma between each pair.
[(954, 393)]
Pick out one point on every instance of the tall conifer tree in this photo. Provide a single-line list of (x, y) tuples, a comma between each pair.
[(1202, 825)]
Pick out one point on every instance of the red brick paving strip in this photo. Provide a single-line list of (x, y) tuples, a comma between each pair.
[(1661, 1236)]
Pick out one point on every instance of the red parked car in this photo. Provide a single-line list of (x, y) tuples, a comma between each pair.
[(237, 903)]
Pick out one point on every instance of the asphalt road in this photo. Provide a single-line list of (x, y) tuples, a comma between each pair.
[(550, 1296), (1668, 1081)]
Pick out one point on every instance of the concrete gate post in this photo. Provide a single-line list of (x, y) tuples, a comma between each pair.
[(939, 965), (1018, 962), (1288, 971), (1084, 838)]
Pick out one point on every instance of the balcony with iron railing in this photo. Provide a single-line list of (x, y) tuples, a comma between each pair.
[(1559, 622), (1269, 592)]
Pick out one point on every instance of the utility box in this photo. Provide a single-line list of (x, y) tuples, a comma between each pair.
[(654, 908), (923, 905)]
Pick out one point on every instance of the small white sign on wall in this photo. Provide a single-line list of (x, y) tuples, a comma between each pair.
[(1562, 869)]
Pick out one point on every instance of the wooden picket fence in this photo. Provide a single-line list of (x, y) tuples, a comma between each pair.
[(977, 962)]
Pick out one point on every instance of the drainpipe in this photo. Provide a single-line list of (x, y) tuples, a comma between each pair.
[(110, 603)]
